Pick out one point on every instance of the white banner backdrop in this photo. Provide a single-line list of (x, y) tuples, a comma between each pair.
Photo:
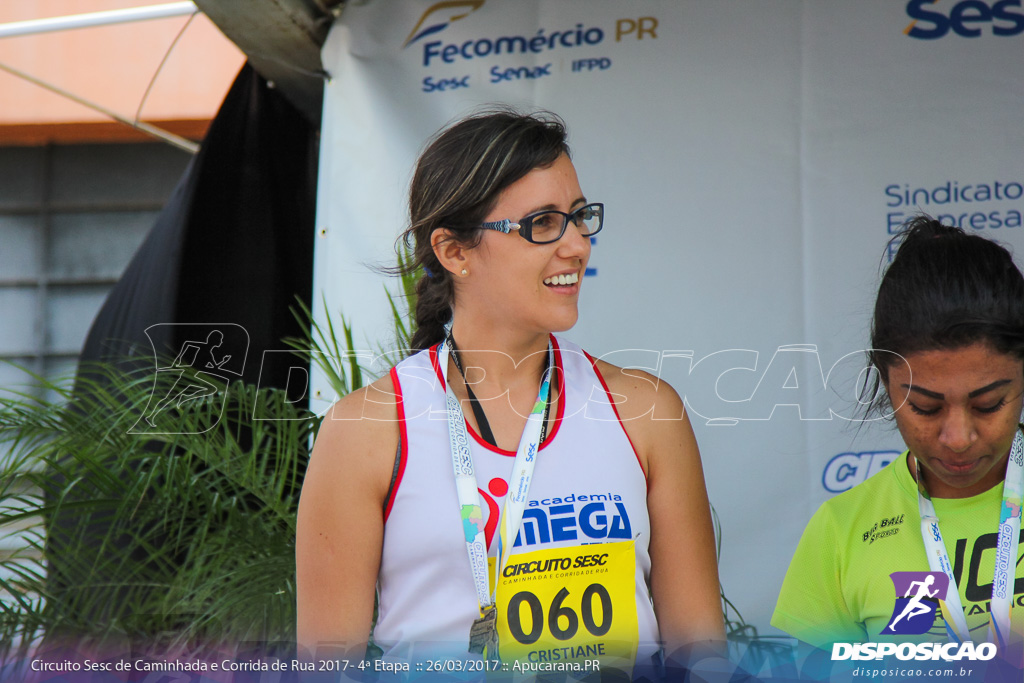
[(753, 155)]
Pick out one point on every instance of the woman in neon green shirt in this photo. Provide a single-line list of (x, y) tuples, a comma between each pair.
[(948, 346)]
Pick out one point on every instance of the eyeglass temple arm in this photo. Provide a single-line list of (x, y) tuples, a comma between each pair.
[(504, 225)]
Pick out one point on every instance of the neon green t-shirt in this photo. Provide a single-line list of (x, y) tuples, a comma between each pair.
[(837, 588)]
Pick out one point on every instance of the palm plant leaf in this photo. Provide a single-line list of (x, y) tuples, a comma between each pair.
[(173, 538)]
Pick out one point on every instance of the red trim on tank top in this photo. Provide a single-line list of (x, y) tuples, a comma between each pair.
[(403, 436), (600, 377), (559, 382)]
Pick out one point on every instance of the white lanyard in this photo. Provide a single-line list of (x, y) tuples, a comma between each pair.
[(1006, 552), (466, 484)]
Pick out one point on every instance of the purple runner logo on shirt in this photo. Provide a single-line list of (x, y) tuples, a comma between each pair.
[(917, 597)]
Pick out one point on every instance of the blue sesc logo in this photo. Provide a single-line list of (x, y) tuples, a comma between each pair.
[(439, 15), (933, 19), (918, 595)]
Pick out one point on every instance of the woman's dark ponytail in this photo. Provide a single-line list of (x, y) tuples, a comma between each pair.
[(434, 297), (945, 289)]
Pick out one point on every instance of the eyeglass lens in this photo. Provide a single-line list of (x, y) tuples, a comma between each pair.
[(547, 226)]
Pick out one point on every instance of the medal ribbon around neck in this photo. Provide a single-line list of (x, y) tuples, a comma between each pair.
[(466, 483), (1006, 552)]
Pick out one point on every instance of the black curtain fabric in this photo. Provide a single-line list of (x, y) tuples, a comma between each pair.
[(234, 243), (228, 255)]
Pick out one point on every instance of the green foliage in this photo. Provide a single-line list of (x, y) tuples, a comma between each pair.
[(405, 302), (337, 358), (171, 535), (322, 349), (177, 535)]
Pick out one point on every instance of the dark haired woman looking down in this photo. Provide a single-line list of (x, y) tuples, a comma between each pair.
[(948, 347)]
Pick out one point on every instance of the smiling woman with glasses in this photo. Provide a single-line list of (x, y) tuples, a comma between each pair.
[(504, 495)]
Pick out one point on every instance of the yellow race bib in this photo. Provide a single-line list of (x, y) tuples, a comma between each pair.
[(570, 604)]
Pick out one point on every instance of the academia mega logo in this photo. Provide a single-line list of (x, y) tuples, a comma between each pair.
[(439, 16), (934, 19)]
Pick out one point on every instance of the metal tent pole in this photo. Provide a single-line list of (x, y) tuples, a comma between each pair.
[(117, 16)]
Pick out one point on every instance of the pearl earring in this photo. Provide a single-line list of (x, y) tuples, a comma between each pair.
[(465, 272)]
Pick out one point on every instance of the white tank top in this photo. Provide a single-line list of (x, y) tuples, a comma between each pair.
[(588, 487)]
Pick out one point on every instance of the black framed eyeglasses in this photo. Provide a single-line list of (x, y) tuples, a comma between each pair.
[(545, 227)]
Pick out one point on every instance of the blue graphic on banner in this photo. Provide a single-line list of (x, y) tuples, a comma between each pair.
[(846, 470)]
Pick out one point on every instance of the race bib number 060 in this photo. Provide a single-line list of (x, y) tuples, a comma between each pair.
[(570, 605)]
